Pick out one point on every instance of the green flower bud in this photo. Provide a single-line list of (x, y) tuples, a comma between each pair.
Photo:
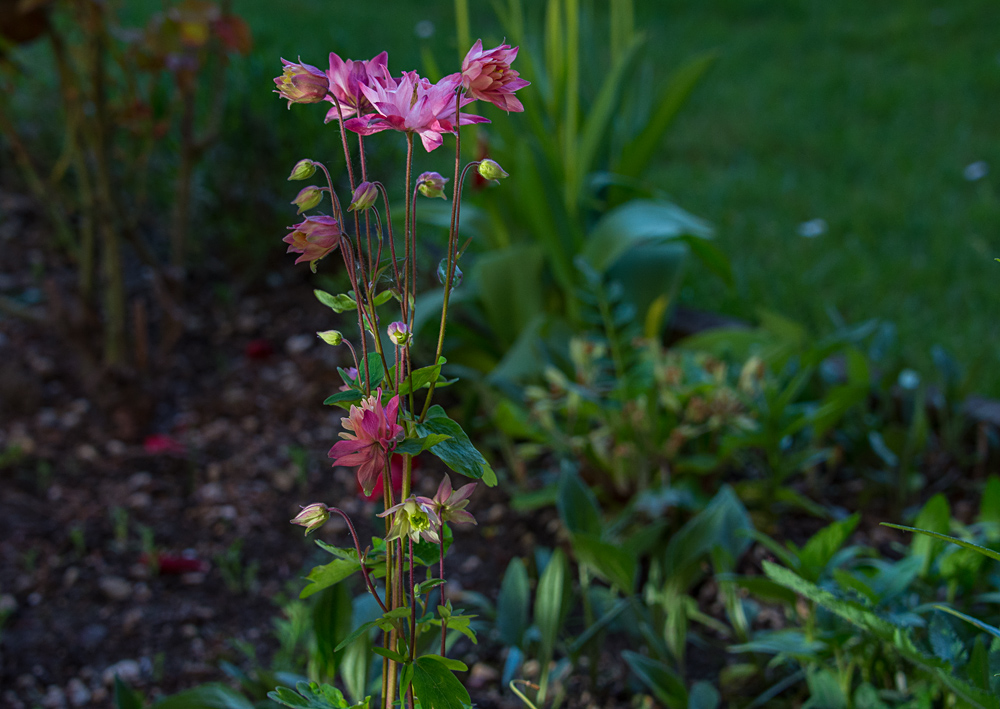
[(364, 197), (312, 517), (303, 170), (331, 337), (491, 170), (431, 184), (307, 198)]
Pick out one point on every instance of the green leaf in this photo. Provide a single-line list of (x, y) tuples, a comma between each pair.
[(792, 643), (659, 678), (340, 303), (821, 547), (331, 622), (207, 696), (321, 577), (416, 446), (513, 604), (954, 540), (383, 298), (357, 633), (824, 691), (419, 378), (670, 100), (510, 289), (612, 562), (637, 222), (550, 604), (460, 623), (125, 697), (351, 396), (989, 509), (577, 505), (724, 523), (376, 370), (995, 632), (457, 452), (391, 654), (311, 695), (435, 685)]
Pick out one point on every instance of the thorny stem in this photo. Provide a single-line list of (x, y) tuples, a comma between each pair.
[(361, 557)]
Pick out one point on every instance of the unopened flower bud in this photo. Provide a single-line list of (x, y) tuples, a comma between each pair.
[(399, 333), (331, 337), (431, 184), (312, 517), (491, 170), (302, 83), (303, 170), (308, 198), (364, 197)]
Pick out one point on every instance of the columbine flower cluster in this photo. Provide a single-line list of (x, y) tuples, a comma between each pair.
[(385, 425)]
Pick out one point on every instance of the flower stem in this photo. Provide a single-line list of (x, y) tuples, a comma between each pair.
[(444, 625)]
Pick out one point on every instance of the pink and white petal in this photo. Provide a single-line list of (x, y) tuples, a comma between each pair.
[(461, 517)]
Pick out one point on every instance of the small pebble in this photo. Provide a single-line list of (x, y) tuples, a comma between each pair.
[(115, 587), (54, 698), (297, 344), (93, 635), (128, 670), (77, 692)]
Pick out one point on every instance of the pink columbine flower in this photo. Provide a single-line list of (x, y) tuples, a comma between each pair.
[(372, 434), (399, 333), (314, 238), (487, 76), (302, 83), (346, 79), (415, 105), (450, 506)]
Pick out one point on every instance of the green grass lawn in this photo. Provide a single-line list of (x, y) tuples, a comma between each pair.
[(864, 115)]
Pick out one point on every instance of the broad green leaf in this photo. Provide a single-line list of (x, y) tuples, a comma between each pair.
[(391, 654), (510, 289), (954, 540), (207, 696), (824, 690), (713, 258), (359, 631), (670, 100), (331, 623), (339, 303), (724, 522), (577, 505), (513, 604), (817, 552), (650, 276), (416, 446), (457, 452), (321, 577), (660, 679), (376, 370), (312, 695), (637, 222), (989, 509), (609, 561), (125, 697), (383, 297), (418, 379), (436, 686)]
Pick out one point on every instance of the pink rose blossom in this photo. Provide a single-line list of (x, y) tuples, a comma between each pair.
[(314, 238), (372, 433), (487, 76), (301, 83), (414, 105), (346, 79)]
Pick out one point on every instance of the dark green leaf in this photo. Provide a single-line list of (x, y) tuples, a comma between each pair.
[(550, 603), (418, 379), (457, 453), (207, 696), (357, 633), (391, 654), (436, 686), (817, 552), (995, 632), (126, 697), (577, 505), (824, 691), (351, 396), (312, 695), (612, 562), (321, 577), (416, 446), (703, 696), (513, 603), (658, 678), (376, 370)]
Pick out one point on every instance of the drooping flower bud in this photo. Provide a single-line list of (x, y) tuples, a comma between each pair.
[(312, 517), (314, 238), (364, 197), (491, 170), (331, 337), (303, 170), (302, 83), (308, 198), (399, 333), (431, 184)]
